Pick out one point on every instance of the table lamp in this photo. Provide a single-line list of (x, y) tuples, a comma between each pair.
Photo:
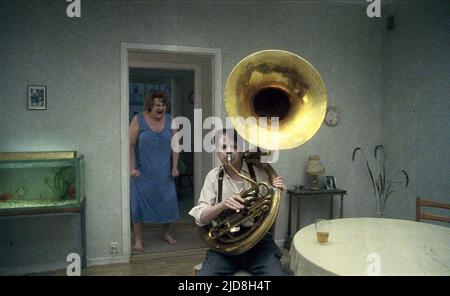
[(314, 169)]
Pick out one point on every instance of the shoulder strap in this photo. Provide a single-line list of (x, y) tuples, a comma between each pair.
[(168, 123), (141, 121), (219, 194), (251, 171)]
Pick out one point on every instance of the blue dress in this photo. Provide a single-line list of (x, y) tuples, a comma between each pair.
[(153, 194)]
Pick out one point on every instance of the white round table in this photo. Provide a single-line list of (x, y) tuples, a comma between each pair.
[(371, 246)]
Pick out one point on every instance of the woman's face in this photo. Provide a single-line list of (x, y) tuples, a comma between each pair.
[(158, 109)]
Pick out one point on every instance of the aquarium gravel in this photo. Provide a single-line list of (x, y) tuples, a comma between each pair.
[(26, 204)]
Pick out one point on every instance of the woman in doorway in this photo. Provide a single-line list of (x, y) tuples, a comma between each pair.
[(153, 167)]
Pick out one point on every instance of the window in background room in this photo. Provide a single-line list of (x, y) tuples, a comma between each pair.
[(139, 87)]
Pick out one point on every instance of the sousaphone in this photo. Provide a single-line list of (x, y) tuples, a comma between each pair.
[(266, 84)]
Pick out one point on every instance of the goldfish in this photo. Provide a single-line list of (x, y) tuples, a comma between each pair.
[(71, 192), (5, 196)]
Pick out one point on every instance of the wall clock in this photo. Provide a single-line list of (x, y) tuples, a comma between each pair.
[(332, 116)]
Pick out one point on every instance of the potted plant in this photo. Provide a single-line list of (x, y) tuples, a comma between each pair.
[(382, 187)]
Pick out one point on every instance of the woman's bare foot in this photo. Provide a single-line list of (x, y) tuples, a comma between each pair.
[(138, 247), (170, 240)]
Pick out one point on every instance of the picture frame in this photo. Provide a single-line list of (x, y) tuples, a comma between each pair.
[(37, 97), (330, 182)]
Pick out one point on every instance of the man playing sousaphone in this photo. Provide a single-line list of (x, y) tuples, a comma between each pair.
[(239, 201), (221, 193)]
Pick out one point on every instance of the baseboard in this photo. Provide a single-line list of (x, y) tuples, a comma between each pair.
[(32, 269), (107, 260), (174, 253), (126, 259)]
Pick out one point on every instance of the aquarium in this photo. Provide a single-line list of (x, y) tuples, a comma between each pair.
[(40, 180)]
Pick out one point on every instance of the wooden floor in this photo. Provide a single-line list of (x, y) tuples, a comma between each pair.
[(160, 259), (174, 263), (186, 234)]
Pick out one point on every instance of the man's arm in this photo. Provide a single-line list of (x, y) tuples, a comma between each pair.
[(233, 202), (209, 213), (206, 209), (207, 199)]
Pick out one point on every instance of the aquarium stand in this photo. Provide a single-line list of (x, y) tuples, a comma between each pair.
[(57, 211)]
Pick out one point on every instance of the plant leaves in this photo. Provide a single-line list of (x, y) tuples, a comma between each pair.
[(387, 195), (378, 189), (376, 150), (407, 178), (354, 153), (381, 183), (371, 177)]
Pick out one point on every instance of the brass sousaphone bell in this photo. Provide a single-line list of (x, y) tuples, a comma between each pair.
[(268, 83)]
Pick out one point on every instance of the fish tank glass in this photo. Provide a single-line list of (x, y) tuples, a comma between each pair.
[(41, 180)]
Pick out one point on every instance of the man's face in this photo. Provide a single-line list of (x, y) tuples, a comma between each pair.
[(226, 145)]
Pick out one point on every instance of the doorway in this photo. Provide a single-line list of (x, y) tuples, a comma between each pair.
[(188, 75), (178, 86)]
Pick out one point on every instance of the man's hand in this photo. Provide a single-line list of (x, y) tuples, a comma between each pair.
[(234, 202), (278, 183)]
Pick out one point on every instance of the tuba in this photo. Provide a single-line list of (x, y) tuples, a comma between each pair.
[(266, 84)]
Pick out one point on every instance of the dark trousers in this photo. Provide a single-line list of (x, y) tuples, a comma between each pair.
[(263, 259)]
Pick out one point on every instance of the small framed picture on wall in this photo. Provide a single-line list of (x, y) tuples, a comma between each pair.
[(330, 182), (37, 97)]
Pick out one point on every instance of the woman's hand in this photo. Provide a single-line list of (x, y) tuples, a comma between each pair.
[(234, 202), (175, 172), (135, 173), (278, 183)]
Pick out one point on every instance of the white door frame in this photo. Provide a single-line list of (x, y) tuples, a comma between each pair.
[(216, 55)]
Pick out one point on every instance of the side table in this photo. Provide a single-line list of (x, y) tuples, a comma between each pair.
[(299, 194)]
